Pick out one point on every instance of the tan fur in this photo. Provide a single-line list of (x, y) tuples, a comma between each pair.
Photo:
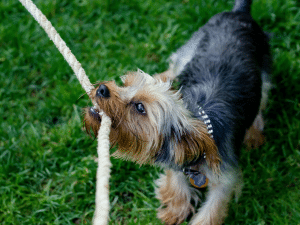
[(129, 79), (165, 76), (254, 138), (194, 144), (175, 196), (89, 123), (140, 137)]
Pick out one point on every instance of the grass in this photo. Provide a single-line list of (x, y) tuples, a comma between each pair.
[(47, 167)]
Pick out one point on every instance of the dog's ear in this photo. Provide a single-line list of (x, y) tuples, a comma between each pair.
[(193, 143), (188, 146), (166, 76)]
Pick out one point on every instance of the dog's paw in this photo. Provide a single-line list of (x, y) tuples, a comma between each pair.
[(254, 138), (204, 220), (174, 213), (175, 205), (212, 217)]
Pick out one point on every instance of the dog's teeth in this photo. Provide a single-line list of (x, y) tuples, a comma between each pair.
[(93, 109), (96, 111)]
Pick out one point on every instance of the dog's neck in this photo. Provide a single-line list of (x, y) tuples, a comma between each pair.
[(204, 117), (197, 178)]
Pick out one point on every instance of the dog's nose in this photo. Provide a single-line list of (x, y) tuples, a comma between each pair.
[(103, 91)]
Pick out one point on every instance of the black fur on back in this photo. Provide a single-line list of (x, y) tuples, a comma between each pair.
[(224, 77)]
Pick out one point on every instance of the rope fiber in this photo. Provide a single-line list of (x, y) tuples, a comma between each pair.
[(101, 214), (60, 44)]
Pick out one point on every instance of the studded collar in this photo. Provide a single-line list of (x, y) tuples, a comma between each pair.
[(198, 179), (206, 120)]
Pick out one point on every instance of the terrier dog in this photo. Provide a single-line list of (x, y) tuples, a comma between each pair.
[(195, 132)]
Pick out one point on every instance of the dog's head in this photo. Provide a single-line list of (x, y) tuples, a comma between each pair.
[(150, 123)]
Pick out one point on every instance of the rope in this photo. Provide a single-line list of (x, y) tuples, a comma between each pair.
[(60, 45), (103, 171), (102, 181)]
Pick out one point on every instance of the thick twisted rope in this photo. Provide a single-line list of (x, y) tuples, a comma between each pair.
[(102, 186), (60, 44), (103, 171)]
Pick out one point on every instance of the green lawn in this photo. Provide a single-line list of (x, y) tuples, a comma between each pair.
[(47, 167)]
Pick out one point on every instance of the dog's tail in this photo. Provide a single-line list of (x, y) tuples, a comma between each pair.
[(242, 6)]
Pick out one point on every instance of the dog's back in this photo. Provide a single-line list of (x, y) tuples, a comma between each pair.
[(220, 69), (239, 15)]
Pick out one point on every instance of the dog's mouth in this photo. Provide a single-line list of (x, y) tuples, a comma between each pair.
[(95, 113)]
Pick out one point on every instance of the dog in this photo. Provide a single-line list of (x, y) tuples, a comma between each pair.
[(193, 118)]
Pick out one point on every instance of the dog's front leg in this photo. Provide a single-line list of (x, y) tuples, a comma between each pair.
[(220, 190), (175, 195)]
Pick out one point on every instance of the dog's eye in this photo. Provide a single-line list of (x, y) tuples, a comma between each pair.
[(140, 108)]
